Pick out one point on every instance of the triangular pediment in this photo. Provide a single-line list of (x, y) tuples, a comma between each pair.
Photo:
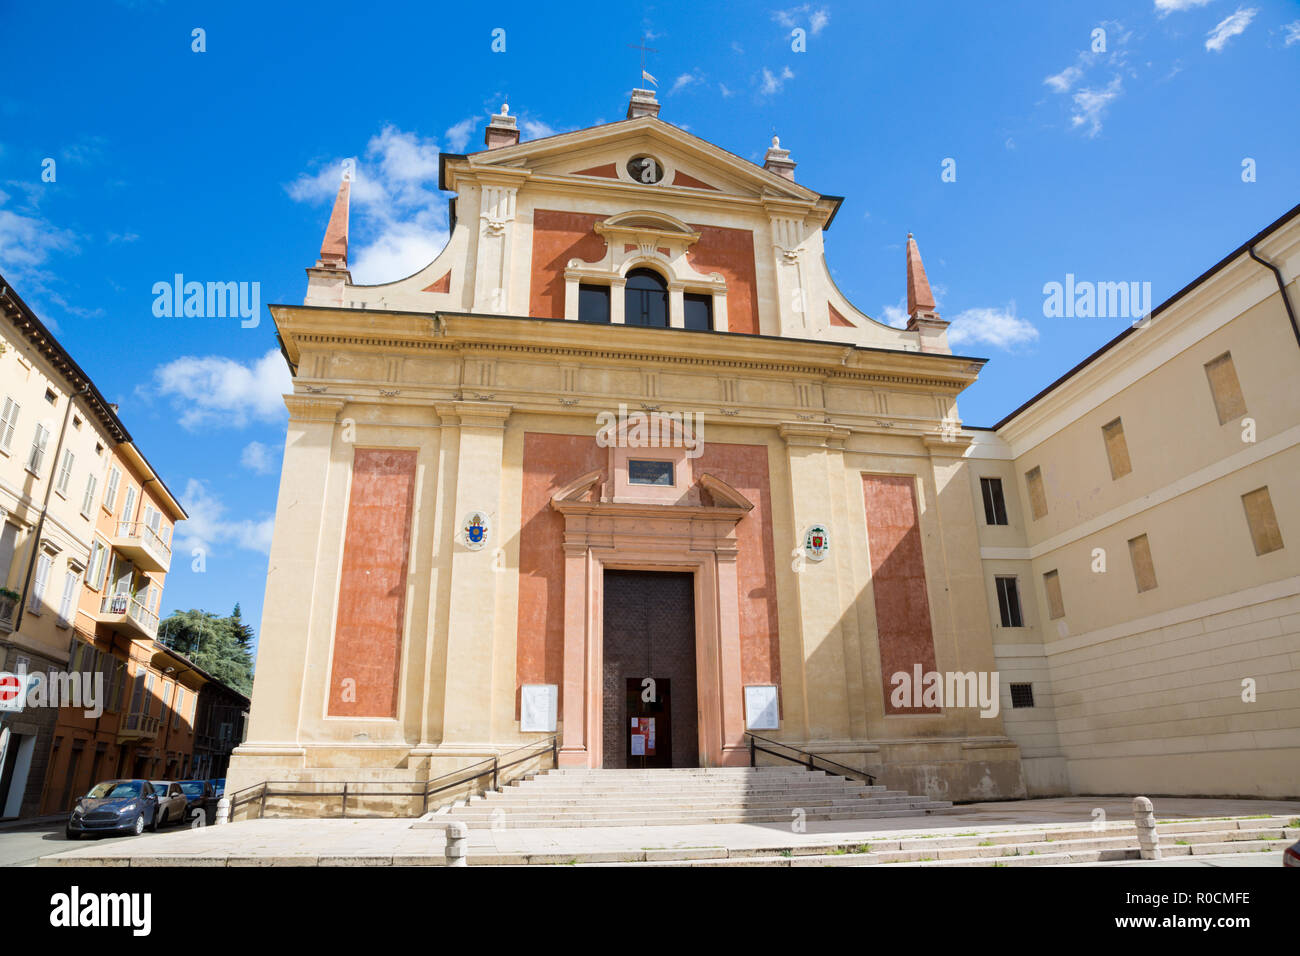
[(600, 154)]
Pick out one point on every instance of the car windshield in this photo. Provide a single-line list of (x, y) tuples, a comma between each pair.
[(192, 788), (115, 788), (160, 786)]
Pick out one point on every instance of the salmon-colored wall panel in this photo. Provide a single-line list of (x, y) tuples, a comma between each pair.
[(731, 253), (898, 580), (607, 171), (550, 462), (683, 179), (744, 467), (372, 585), (837, 319), (557, 238)]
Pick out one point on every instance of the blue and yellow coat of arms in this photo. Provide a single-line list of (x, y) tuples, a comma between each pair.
[(476, 530)]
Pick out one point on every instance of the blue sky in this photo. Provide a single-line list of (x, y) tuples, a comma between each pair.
[(1122, 164)]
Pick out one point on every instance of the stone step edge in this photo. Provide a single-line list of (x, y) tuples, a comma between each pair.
[(759, 856)]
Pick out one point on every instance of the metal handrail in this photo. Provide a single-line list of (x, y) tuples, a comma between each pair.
[(491, 765), (807, 756), (551, 742)]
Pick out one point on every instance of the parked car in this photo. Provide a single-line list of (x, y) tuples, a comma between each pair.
[(114, 806), (172, 804), (200, 798), (1291, 855), (219, 786)]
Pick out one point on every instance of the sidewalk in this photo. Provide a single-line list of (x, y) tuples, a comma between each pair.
[(394, 842), (26, 823)]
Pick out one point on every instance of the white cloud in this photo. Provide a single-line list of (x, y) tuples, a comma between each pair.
[(536, 129), (1000, 328), (686, 80), (1292, 32), (895, 315), (458, 135), (816, 17), (258, 458), (1229, 27), (214, 391), (27, 241), (1166, 7), (722, 87), (1061, 82), (399, 220), (773, 83), (1090, 99), (208, 525), (1090, 105)]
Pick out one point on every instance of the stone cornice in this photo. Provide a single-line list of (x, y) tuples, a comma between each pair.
[(472, 414), (404, 331), (314, 408), (813, 435)]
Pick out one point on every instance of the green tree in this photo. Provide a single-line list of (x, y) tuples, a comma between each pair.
[(212, 643), (243, 632)]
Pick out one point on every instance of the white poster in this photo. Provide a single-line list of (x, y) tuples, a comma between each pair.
[(638, 745), (537, 707), (761, 712)]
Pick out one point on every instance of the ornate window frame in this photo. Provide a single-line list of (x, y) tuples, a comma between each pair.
[(637, 239)]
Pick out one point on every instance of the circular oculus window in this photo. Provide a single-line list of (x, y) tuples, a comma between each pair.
[(645, 169)]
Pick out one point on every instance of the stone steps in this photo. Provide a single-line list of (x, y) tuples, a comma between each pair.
[(1040, 847), (620, 798)]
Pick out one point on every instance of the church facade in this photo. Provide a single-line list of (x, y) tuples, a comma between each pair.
[(624, 453)]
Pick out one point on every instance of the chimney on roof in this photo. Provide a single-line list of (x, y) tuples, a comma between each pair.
[(931, 330), (503, 130), (643, 103), (778, 160)]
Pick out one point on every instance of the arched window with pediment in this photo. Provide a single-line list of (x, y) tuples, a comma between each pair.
[(645, 299)]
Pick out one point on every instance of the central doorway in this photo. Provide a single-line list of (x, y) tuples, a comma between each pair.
[(649, 693)]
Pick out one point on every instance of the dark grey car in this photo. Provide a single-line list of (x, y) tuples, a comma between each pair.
[(200, 798), (115, 806)]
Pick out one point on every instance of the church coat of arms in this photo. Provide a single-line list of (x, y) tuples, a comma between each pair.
[(475, 530)]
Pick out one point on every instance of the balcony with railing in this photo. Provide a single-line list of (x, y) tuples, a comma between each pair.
[(138, 727), (128, 615), (143, 545)]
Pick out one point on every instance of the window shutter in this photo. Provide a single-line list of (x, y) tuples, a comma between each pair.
[(110, 493), (38, 589), (1229, 403), (65, 473), (8, 421), (1139, 551), (1037, 496), (1262, 519), (88, 503), (37, 457), (69, 592), (1052, 584), (1112, 434)]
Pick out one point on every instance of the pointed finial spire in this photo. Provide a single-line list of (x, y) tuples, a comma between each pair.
[(919, 296), (334, 248)]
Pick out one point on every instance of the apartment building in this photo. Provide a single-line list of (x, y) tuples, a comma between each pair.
[(146, 724), (57, 435), (1138, 530)]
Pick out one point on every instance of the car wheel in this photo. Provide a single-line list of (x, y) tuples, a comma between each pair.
[(70, 834), (153, 827), (138, 827)]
